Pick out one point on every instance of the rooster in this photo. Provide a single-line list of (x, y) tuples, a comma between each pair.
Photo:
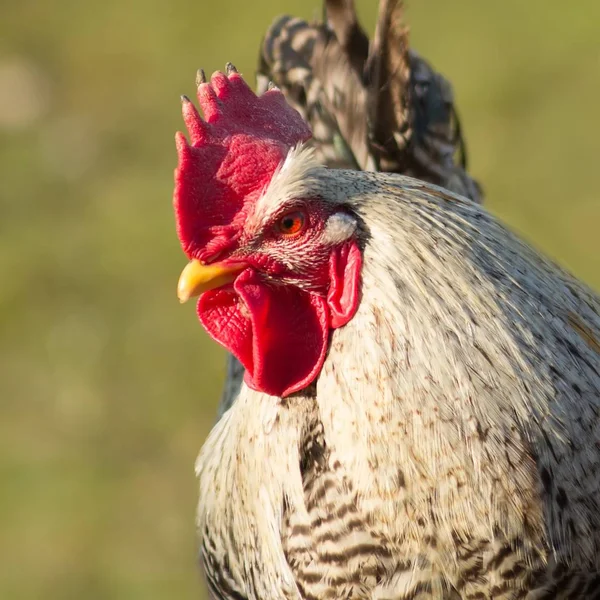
[(420, 413), (370, 105)]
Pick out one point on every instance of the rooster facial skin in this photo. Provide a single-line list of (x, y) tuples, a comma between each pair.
[(275, 270)]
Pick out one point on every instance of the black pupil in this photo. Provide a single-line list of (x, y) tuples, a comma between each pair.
[(288, 222)]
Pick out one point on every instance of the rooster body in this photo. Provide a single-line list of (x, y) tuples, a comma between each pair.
[(420, 416), (450, 447)]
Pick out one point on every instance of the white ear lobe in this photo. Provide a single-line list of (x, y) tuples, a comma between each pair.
[(339, 228)]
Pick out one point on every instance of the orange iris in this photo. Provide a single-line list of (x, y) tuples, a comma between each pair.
[(292, 223)]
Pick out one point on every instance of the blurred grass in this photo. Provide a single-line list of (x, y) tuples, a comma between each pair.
[(108, 386)]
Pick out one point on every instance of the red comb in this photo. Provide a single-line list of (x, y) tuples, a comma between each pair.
[(232, 156)]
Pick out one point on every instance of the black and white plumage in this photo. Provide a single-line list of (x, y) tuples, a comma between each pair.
[(420, 416), (450, 447), (372, 105)]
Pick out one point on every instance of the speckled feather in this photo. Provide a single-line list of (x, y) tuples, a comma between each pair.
[(450, 447)]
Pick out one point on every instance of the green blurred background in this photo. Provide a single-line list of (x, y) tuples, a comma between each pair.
[(107, 386)]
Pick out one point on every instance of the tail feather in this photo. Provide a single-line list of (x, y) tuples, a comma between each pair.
[(371, 105)]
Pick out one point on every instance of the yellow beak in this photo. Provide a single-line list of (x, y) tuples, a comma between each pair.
[(197, 278)]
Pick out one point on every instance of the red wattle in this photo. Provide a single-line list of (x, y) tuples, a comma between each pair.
[(344, 283), (279, 333)]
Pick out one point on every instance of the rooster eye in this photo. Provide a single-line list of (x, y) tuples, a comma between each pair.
[(292, 223)]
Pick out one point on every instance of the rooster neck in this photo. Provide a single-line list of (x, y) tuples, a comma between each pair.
[(393, 380), (440, 381)]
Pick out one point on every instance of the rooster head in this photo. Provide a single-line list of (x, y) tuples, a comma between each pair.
[(276, 268)]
